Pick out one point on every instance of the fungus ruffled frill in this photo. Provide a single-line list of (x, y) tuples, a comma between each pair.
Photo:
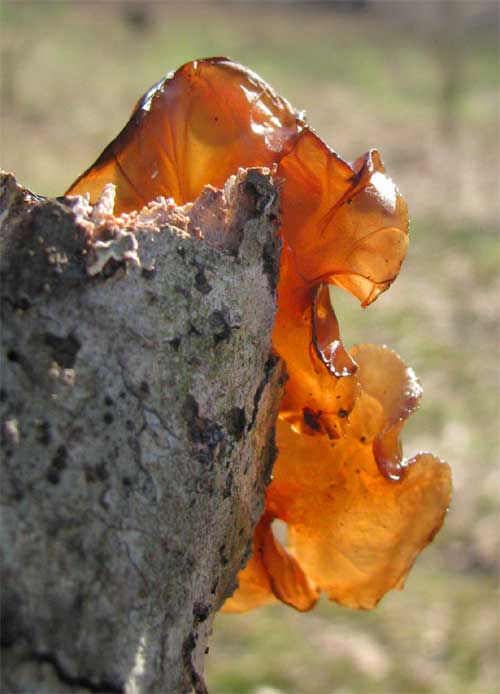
[(353, 531), (357, 513)]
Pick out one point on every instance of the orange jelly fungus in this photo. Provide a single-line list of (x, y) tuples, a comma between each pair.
[(357, 513)]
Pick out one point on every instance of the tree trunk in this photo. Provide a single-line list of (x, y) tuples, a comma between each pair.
[(138, 399)]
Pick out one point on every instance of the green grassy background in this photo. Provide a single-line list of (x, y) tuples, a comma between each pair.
[(420, 82)]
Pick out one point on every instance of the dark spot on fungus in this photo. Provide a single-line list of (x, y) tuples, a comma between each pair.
[(311, 418), (108, 418)]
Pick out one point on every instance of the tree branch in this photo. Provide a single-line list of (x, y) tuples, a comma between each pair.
[(138, 399)]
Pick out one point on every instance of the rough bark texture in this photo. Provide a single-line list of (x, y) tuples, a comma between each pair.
[(137, 410)]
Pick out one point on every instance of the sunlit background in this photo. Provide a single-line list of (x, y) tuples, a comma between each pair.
[(418, 80)]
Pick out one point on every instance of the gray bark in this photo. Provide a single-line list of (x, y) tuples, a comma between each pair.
[(138, 399)]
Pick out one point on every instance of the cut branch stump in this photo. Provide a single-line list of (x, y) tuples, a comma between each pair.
[(138, 398)]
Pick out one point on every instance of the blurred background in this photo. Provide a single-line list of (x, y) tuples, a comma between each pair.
[(419, 81)]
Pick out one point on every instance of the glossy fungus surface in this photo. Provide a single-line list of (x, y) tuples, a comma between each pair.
[(195, 127), (357, 513)]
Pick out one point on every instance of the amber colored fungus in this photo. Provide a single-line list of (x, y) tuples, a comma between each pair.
[(357, 513)]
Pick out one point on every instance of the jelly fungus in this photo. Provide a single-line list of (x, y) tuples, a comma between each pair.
[(357, 513)]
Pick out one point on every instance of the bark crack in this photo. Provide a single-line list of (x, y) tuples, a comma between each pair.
[(96, 687), (103, 686), (197, 681)]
